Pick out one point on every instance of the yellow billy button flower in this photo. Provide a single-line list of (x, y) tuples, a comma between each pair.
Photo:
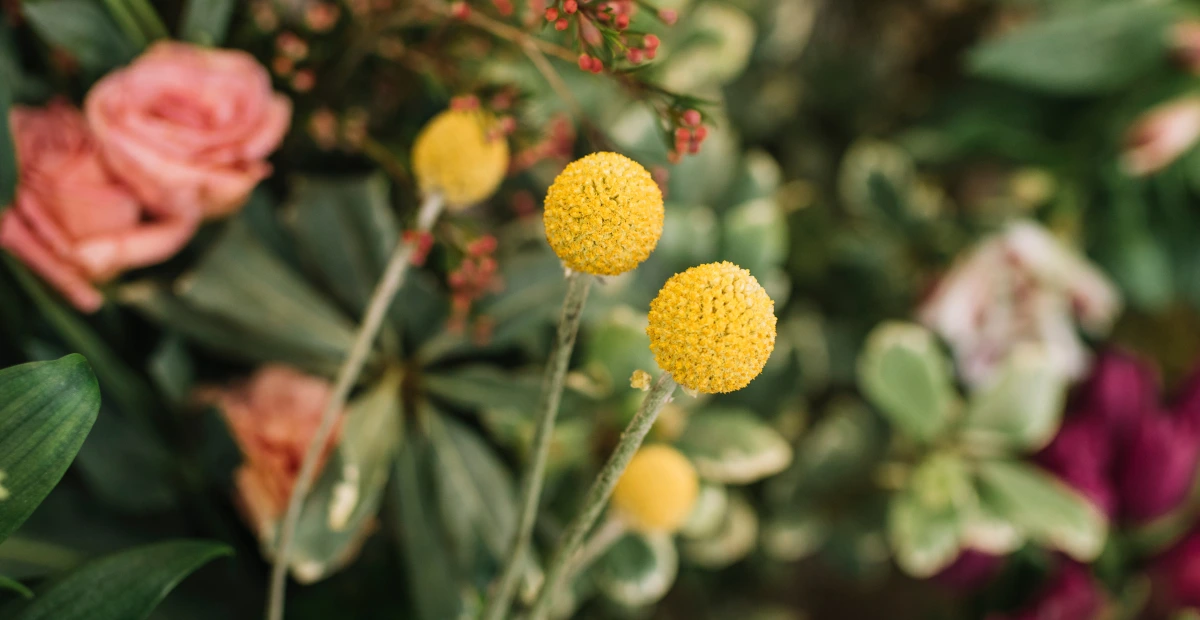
[(462, 155), (657, 491), (712, 327), (604, 214)]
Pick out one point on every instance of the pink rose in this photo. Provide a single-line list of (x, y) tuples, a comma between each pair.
[(187, 127), (71, 221), (272, 417)]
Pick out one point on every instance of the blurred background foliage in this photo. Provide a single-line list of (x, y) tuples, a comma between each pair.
[(857, 148)]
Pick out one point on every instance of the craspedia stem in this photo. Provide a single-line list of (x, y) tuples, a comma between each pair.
[(578, 285), (593, 505), (381, 300)]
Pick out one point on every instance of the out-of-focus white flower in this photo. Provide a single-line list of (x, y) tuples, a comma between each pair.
[(1021, 285), (1161, 136)]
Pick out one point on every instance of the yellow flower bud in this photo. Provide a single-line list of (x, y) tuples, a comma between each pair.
[(604, 214), (462, 155), (657, 491), (712, 327)]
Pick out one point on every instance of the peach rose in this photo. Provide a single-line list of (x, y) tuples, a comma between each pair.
[(188, 127), (272, 417), (71, 221)]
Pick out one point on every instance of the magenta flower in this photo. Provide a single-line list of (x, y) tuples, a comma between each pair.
[(971, 571), (1177, 572)]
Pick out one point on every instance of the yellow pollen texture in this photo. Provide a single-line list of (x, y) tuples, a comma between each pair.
[(462, 155), (712, 327), (604, 214), (657, 491)]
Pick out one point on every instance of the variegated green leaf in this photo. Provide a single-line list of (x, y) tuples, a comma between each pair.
[(733, 446), (907, 377), (733, 540), (1022, 408), (638, 570)]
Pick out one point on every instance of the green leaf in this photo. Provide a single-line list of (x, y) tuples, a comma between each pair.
[(485, 387), (1090, 51), (123, 586), (638, 570), (1022, 408), (345, 230), (84, 29), (206, 21), (712, 505), (795, 535), (338, 513), (432, 580), (733, 446), (7, 583), (122, 386), (926, 518), (1050, 512), (242, 299), (755, 236), (615, 347), (906, 376), (46, 411), (732, 541)]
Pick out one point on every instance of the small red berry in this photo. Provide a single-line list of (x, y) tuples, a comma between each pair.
[(570, 6), (460, 10), (634, 55), (561, 25), (668, 16), (597, 65), (682, 135), (651, 53), (691, 118), (700, 133), (585, 62), (551, 14), (503, 7), (622, 22), (650, 41)]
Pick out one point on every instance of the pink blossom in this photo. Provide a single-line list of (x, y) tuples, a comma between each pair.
[(272, 417), (1161, 135), (187, 128), (1020, 285), (72, 222)]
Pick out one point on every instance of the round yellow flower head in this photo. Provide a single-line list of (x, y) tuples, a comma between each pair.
[(712, 327), (657, 491), (462, 155), (604, 214)]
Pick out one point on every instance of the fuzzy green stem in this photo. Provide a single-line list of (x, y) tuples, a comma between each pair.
[(578, 285), (381, 300), (602, 488)]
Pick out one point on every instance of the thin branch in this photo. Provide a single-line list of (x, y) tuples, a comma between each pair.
[(381, 300)]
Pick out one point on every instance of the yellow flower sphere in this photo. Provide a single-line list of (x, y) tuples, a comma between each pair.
[(657, 491), (604, 214), (712, 327), (462, 155)]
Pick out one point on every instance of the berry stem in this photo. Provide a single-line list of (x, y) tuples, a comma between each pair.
[(381, 300), (597, 497), (578, 285)]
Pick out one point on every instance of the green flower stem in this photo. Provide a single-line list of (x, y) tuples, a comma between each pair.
[(381, 300), (578, 285), (602, 488)]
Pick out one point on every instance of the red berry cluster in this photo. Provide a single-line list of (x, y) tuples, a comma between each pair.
[(593, 19), (689, 135), (423, 242), (557, 143), (475, 277)]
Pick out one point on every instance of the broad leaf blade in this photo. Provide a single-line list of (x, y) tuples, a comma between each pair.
[(206, 21), (1050, 512), (638, 570), (83, 28), (1091, 51), (46, 411), (734, 446), (123, 586), (906, 376), (1022, 408), (345, 500)]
